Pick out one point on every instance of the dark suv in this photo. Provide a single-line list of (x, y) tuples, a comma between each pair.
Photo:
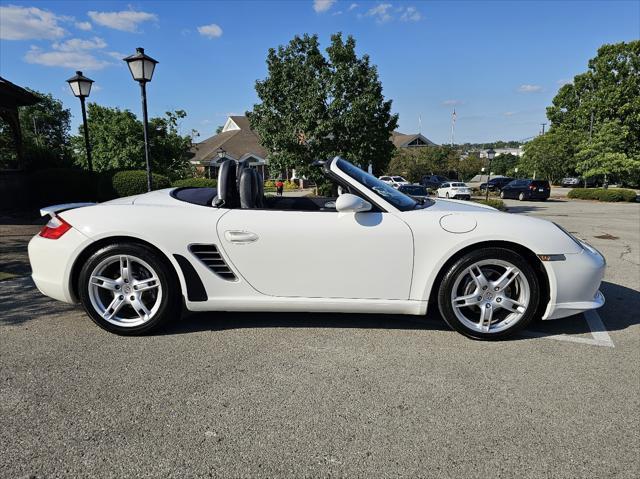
[(496, 184), (432, 181), (526, 190)]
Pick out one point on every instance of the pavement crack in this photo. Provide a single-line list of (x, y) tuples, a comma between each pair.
[(627, 250)]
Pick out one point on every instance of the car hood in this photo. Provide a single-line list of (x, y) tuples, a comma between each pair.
[(458, 206)]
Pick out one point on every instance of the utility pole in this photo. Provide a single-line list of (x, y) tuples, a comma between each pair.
[(453, 125), (543, 125)]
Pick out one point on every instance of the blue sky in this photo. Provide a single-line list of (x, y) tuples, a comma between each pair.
[(498, 63)]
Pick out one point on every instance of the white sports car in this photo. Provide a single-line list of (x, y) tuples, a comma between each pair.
[(134, 262)]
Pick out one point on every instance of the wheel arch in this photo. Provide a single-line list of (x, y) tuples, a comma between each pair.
[(102, 242), (538, 267)]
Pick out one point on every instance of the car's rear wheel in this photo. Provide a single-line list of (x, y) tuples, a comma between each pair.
[(447, 195), (521, 196), (489, 294), (128, 289)]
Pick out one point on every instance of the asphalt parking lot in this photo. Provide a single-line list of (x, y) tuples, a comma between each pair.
[(245, 395)]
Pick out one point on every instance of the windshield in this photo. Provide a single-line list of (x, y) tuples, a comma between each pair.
[(398, 178), (458, 184), (414, 190), (386, 191)]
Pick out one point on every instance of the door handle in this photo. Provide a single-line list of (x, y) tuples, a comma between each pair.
[(236, 236)]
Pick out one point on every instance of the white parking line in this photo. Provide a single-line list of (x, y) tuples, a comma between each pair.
[(600, 336)]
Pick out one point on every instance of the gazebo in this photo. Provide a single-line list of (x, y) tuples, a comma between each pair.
[(11, 97)]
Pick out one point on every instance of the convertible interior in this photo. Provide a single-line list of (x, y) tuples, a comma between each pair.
[(240, 186)]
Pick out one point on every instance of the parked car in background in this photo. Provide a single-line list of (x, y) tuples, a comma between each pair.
[(454, 190), (414, 191), (571, 182), (496, 184), (394, 181), (433, 181), (526, 190)]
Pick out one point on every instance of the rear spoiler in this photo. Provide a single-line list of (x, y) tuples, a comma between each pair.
[(52, 210)]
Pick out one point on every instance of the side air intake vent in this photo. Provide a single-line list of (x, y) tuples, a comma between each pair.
[(209, 255)]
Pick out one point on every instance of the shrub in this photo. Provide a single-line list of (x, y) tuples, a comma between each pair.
[(494, 203), (195, 182), (134, 182), (270, 185), (64, 185), (601, 194)]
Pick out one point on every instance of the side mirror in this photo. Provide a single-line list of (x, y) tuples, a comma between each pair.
[(348, 203)]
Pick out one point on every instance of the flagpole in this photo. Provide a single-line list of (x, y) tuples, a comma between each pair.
[(453, 125)]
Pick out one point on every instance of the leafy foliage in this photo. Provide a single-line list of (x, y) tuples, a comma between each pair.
[(315, 107), (195, 182), (595, 120), (601, 194), (493, 202), (45, 130), (414, 163), (134, 182), (117, 141)]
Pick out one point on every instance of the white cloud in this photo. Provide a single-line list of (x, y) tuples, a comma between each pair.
[(321, 6), (380, 12), (526, 88), (78, 60), (509, 113), (126, 20), (76, 44), (352, 6), (411, 14), (339, 12), (24, 23), (84, 26), (211, 31), (117, 55), (452, 102), (565, 81)]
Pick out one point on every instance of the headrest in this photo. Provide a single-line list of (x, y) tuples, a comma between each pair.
[(249, 188), (227, 186)]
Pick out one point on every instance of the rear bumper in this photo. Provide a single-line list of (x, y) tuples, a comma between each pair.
[(51, 263), (575, 283)]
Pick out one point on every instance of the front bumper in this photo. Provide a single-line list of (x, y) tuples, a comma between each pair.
[(51, 263), (575, 283)]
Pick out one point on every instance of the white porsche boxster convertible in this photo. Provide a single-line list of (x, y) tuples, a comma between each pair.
[(135, 262)]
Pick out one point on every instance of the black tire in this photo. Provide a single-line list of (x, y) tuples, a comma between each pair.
[(521, 197), (169, 305), (447, 195), (461, 265), (502, 194)]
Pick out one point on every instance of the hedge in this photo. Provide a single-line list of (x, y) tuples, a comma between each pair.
[(270, 185), (63, 185), (601, 194), (494, 203), (134, 182), (195, 182)]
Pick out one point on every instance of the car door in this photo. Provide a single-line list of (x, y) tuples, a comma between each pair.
[(507, 189), (320, 253)]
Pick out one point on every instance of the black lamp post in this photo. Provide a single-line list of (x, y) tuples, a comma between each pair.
[(490, 154), (141, 67), (81, 87)]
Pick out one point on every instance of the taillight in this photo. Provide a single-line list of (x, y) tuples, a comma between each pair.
[(532, 187), (55, 228)]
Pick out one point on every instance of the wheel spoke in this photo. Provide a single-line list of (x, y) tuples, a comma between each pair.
[(506, 279), (140, 308), (486, 314), (146, 284), (105, 283), (125, 268), (114, 307), (468, 300), (478, 276), (512, 305)]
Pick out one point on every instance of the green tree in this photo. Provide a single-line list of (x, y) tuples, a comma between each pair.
[(117, 141), (315, 107), (603, 154), (504, 164), (551, 156), (414, 163), (45, 134)]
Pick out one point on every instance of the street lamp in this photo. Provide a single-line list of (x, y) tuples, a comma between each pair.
[(515, 170), (490, 154), (81, 87), (141, 67)]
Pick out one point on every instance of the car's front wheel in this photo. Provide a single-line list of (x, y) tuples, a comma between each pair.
[(502, 195), (521, 196), (128, 289), (489, 293)]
